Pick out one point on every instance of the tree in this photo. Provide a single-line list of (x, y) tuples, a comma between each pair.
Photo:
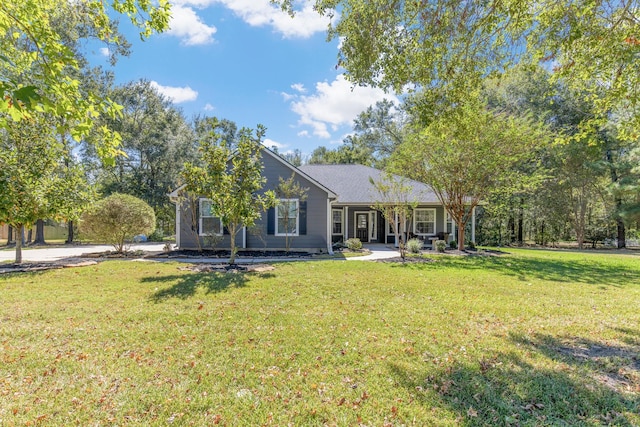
[(288, 190), (393, 201), (157, 142), (34, 43), (117, 219), (35, 178), (467, 155), (447, 47), (231, 177)]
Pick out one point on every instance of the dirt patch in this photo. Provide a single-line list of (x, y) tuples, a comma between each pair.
[(617, 367), (226, 268)]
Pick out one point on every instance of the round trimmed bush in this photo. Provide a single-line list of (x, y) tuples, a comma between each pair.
[(354, 244), (116, 219), (440, 245), (414, 245)]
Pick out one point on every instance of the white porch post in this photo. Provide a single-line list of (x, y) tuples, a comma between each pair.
[(178, 223), (346, 223), (473, 225), (244, 237), (329, 228)]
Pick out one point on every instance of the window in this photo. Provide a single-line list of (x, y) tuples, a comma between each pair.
[(287, 217), (336, 221), (449, 223), (209, 224), (424, 221)]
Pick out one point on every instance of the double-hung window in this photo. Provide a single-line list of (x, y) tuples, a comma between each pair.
[(336, 222), (287, 218), (209, 224), (424, 221)]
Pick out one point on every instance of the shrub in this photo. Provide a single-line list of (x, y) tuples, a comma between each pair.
[(453, 244), (116, 219), (440, 245), (471, 245), (414, 245), (354, 244)]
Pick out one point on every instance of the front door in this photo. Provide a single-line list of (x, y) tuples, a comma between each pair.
[(362, 226)]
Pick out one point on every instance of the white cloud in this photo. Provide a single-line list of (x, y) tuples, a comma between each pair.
[(176, 94), (299, 87), (104, 51), (335, 104), (304, 133), (187, 25), (287, 96), (270, 143), (209, 107), (261, 13)]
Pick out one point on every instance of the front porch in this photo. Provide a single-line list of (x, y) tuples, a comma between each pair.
[(428, 223)]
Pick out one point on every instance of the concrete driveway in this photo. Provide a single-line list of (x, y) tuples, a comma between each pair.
[(44, 254), (63, 252)]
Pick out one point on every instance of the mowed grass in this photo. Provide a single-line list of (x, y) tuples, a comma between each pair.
[(528, 338)]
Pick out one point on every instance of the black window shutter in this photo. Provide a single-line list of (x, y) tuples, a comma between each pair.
[(225, 230), (271, 221), (196, 227), (303, 218)]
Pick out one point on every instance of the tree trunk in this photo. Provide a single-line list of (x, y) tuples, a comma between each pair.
[(512, 229), (39, 240), (19, 237), (232, 236), (460, 236), (69, 232), (521, 222), (29, 235), (622, 233), (10, 236)]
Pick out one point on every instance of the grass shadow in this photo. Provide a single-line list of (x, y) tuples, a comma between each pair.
[(507, 390), (186, 286), (591, 271), (616, 366)]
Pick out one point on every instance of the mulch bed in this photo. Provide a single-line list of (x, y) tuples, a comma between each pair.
[(226, 268), (183, 253), (30, 267)]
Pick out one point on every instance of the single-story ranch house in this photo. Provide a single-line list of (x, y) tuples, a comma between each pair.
[(337, 207)]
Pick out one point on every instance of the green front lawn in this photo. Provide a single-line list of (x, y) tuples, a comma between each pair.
[(531, 338)]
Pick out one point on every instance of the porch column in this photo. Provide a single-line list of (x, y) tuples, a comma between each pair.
[(178, 225), (329, 228), (346, 223), (244, 237), (473, 225)]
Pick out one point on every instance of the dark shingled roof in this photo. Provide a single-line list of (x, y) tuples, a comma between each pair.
[(351, 183)]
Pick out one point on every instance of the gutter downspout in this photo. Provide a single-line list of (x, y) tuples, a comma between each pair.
[(329, 230)]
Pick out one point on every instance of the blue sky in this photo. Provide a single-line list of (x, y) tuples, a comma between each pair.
[(247, 61)]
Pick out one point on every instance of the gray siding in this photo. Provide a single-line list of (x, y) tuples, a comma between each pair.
[(257, 238)]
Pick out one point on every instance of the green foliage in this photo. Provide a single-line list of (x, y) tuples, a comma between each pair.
[(38, 177), (116, 219), (440, 245), (157, 141), (466, 155), (447, 47), (453, 244), (414, 245), (41, 38), (353, 244), (231, 177)]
